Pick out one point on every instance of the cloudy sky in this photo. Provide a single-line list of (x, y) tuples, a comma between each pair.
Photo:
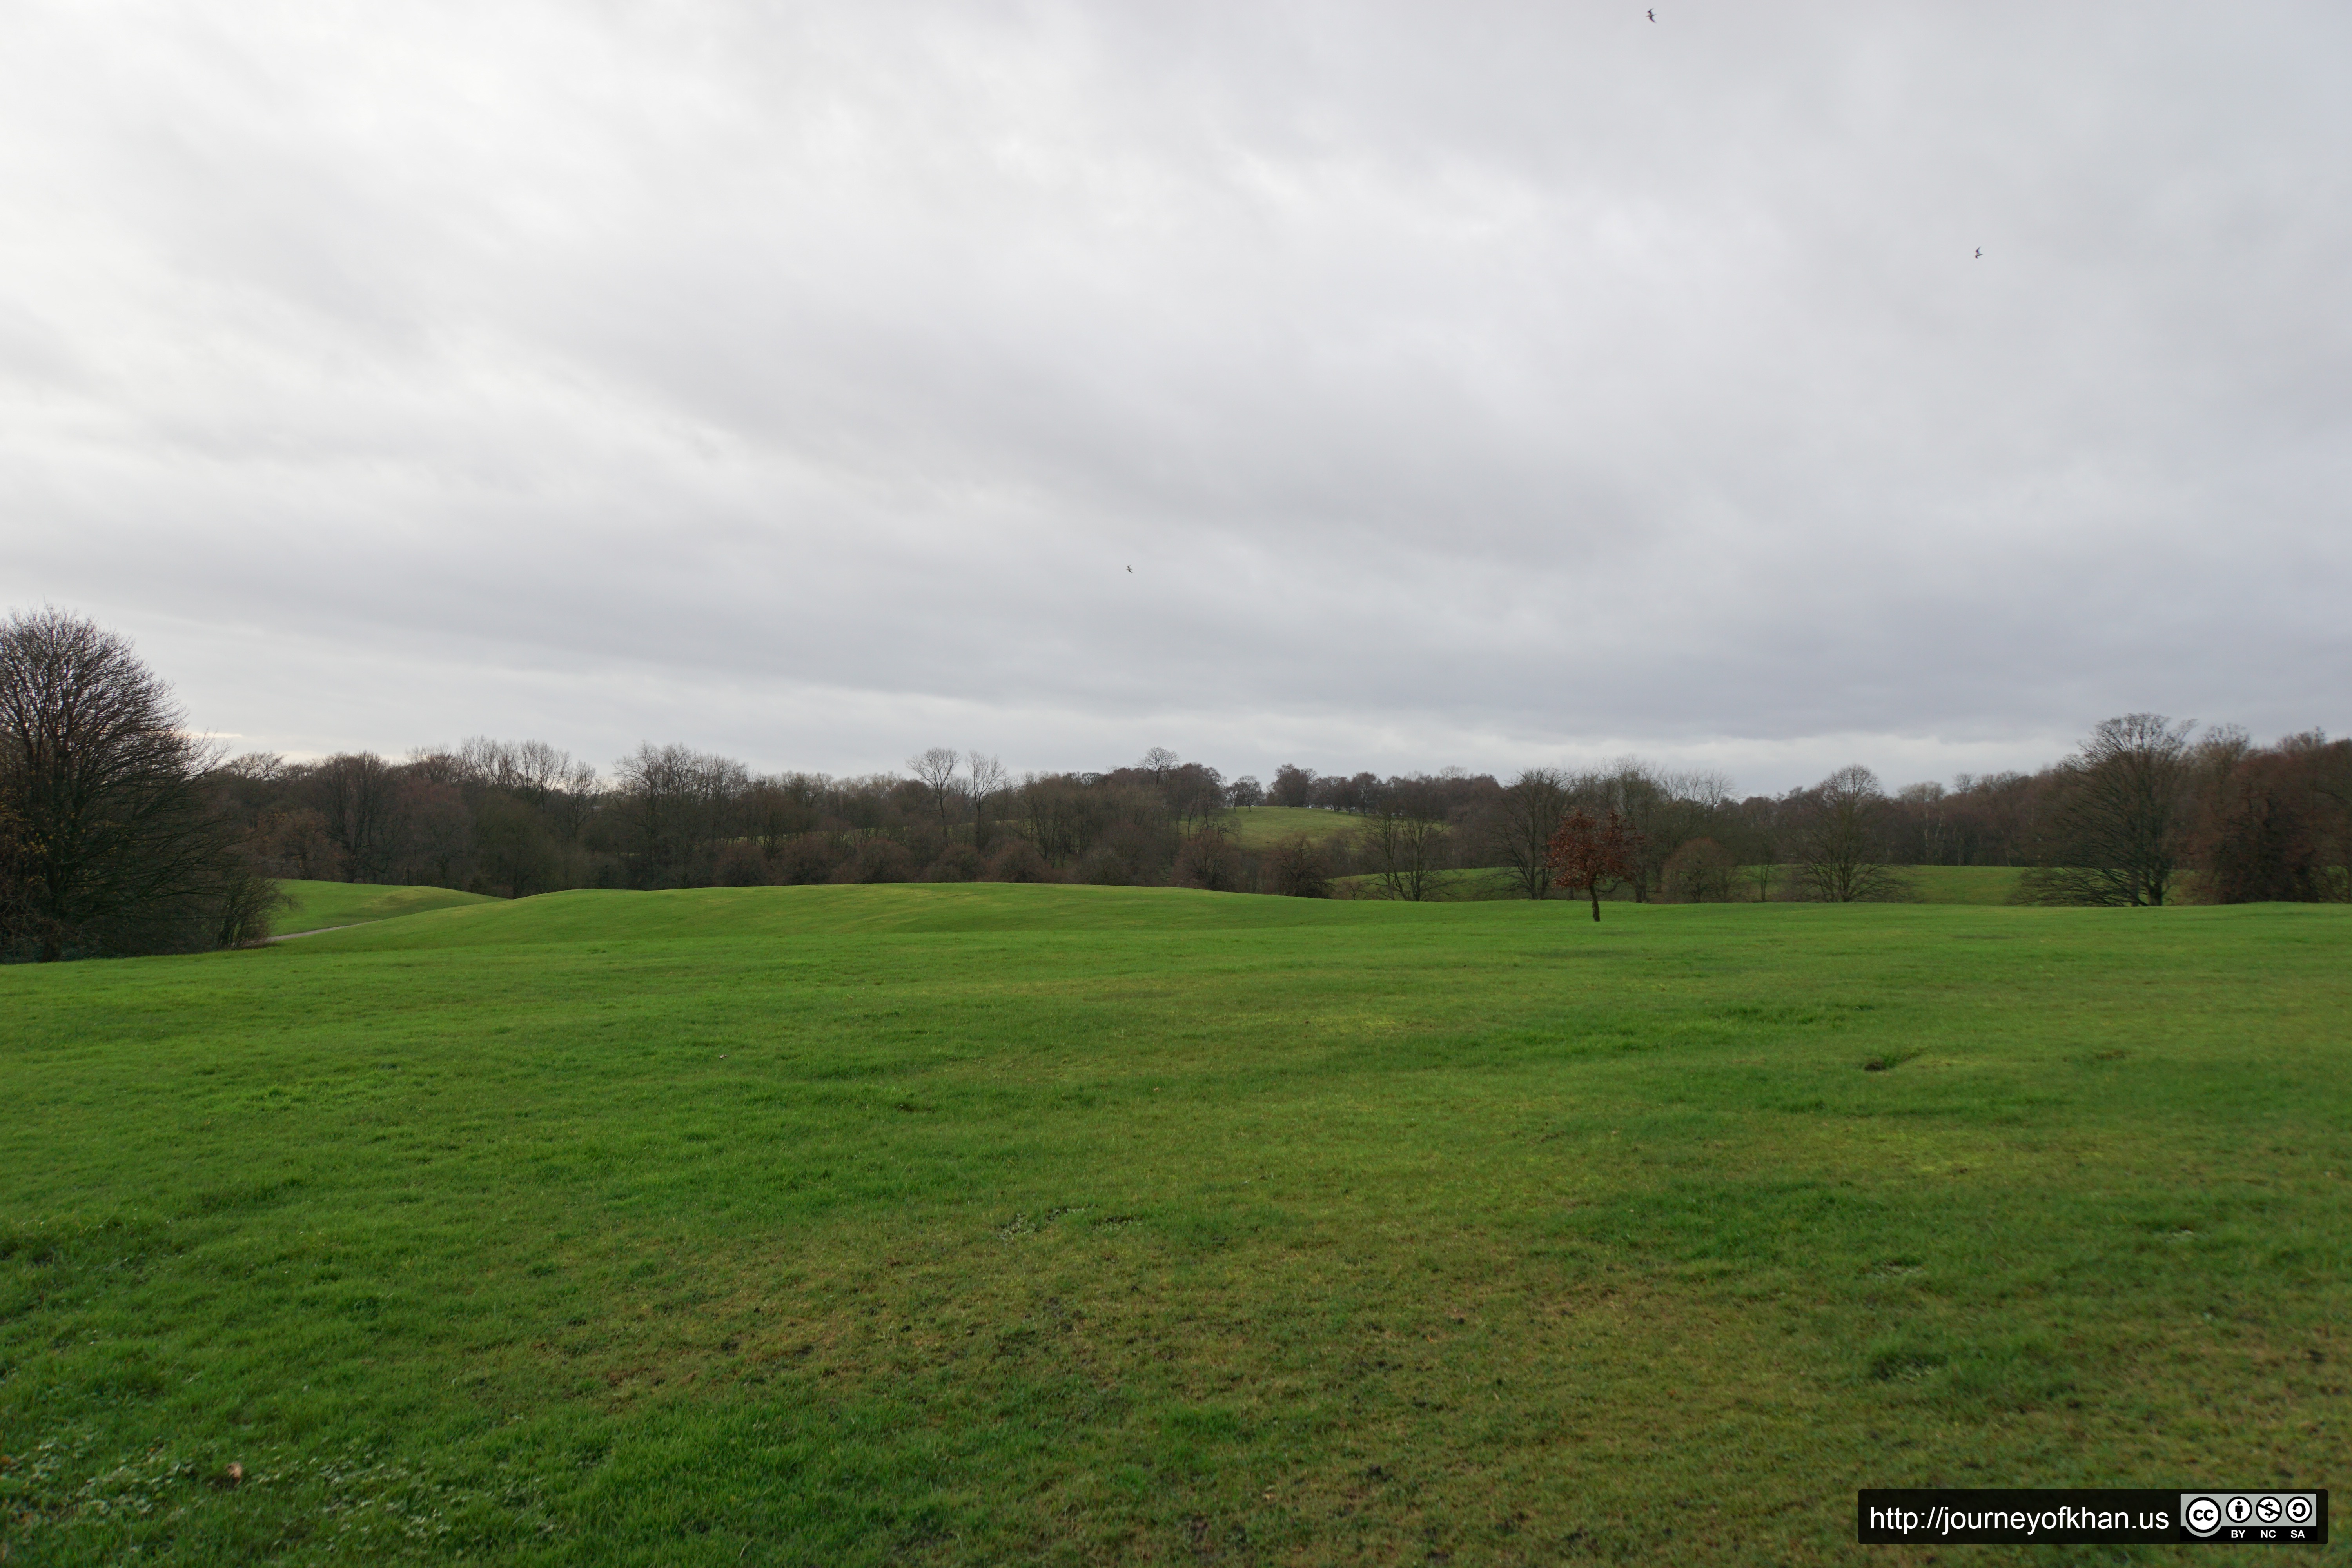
[(1468, 384)]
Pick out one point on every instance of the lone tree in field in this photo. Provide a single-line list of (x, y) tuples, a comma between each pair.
[(1590, 858), (2122, 812), (108, 843)]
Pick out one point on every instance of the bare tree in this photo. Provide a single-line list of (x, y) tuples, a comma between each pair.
[(295, 843), (1700, 871), (1663, 807), (1298, 866), (985, 781), (675, 804), (1841, 843), (359, 795), (2122, 814), (935, 770), (1406, 844), (1212, 859), (1293, 785), (518, 853), (107, 842), (1195, 795), (1533, 806)]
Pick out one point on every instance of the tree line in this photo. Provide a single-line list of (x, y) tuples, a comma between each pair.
[(119, 832)]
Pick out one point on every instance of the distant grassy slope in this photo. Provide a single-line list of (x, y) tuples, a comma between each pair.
[(1467, 885), (1979, 885), (981, 1225), (1262, 824), (1962, 884), (1930, 885), (318, 904)]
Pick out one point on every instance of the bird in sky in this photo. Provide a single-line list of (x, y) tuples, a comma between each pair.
[(1131, 571), (1980, 257), (1654, 16)]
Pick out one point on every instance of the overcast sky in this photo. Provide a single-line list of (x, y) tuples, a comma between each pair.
[(1469, 383)]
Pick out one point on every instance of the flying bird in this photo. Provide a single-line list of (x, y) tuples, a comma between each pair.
[(1654, 16), (1980, 257), (1131, 571)]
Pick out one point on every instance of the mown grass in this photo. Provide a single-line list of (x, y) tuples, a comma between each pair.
[(1058, 1224), (321, 904)]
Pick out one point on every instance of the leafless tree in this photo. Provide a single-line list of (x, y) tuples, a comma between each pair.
[(1056, 816), (359, 795), (295, 843), (1700, 871), (1195, 795), (1840, 846), (675, 804), (985, 781), (1293, 785), (530, 769), (2122, 813), (1663, 807), (1213, 859), (935, 770), (438, 832), (107, 844), (1406, 845), (1298, 866), (518, 852), (1532, 807)]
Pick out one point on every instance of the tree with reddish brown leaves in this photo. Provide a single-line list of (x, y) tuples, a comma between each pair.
[(1592, 858)]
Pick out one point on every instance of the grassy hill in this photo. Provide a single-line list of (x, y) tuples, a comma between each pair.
[(1259, 826), (1929, 884), (320, 904), (961, 1225)]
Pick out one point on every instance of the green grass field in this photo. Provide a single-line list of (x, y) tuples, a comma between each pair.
[(987, 1223), (1926, 884), (1962, 884), (322, 904), (1259, 826)]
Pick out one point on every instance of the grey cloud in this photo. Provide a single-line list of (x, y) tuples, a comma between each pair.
[(1484, 384)]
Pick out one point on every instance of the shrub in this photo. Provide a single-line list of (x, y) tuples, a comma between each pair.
[(1213, 859), (805, 860), (1103, 867), (741, 865), (1700, 871), (956, 863), (877, 860), (1018, 861), (1299, 867)]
